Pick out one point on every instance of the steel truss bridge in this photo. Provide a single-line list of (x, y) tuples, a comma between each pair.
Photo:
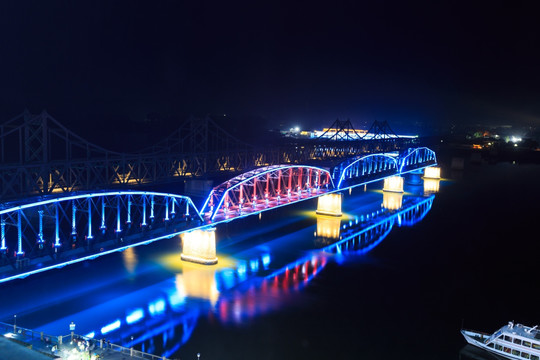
[(82, 226), (39, 156), (279, 185)]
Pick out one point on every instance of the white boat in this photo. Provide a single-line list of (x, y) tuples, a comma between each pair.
[(510, 342)]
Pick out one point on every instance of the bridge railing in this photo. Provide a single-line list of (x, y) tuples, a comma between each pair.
[(42, 342)]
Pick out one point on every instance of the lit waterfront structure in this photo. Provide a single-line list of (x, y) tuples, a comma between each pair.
[(117, 220), (329, 204), (393, 184), (199, 246)]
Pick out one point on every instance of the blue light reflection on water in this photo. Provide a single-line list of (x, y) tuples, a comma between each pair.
[(259, 282)]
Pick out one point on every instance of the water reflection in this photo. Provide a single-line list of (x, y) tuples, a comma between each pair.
[(469, 352), (262, 279), (129, 256), (431, 185), (198, 283), (392, 200), (328, 230)]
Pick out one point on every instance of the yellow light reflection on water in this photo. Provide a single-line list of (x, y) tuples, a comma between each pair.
[(328, 227), (431, 185), (196, 280), (129, 257), (392, 200), (198, 283)]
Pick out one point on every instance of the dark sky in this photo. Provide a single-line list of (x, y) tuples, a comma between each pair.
[(305, 63)]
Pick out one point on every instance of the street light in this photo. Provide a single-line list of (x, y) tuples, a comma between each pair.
[(14, 323), (72, 329), (198, 356)]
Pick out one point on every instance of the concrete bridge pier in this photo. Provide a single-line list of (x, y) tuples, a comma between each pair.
[(199, 246), (329, 204), (432, 172), (393, 184)]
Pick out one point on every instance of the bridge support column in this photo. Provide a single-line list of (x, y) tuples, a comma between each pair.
[(329, 204), (393, 183), (199, 246), (432, 172)]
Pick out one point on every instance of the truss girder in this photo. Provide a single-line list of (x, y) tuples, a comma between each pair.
[(416, 158), (365, 168), (49, 227), (266, 187)]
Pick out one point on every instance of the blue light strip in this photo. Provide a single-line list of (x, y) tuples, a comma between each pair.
[(118, 223), (166, 209), (151, 206), (40, 234), (19, 231), (111, 327), (89, 218), (129, 210), (3, 233), (135, 316), (206, 202), (57, 228), (73, 217), (144, 211), (103, 227)]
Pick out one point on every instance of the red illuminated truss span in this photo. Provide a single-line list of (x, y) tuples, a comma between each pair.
[(266, 187)]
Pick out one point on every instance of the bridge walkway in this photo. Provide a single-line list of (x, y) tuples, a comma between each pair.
[(32, 345)]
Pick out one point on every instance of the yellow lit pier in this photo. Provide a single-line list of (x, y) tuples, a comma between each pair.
[(432, 178), (199, 246), (329, 204), (432, 172), (393, 184)]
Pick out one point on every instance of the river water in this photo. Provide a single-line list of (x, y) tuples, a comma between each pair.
[(465, 255)]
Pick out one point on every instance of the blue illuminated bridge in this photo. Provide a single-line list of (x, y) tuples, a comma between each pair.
[(38, 235)]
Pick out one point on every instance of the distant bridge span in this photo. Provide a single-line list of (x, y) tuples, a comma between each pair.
[(39, 156), (270, 187)]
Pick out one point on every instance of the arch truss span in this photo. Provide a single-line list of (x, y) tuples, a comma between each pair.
[(417, 158), (89, 223), (265, 188), (365, 169)]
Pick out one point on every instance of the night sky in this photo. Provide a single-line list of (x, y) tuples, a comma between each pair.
[(307, 63)]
